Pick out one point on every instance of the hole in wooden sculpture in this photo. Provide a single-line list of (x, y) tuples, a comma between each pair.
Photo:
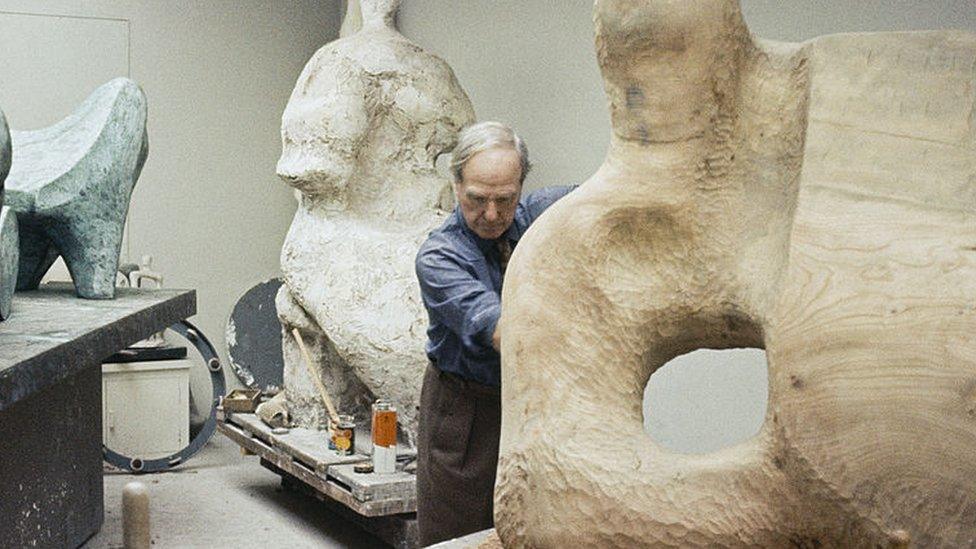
[(707, 400)]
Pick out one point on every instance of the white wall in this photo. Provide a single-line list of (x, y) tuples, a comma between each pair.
[(798, 20), (531, 63), (38, 53), (217, 75)]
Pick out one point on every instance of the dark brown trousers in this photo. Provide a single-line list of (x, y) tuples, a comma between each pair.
[(457, 455)]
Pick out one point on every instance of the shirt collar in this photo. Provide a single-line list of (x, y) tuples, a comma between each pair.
[(513, 234)]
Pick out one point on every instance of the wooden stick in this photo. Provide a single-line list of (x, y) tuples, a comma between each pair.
[(315, 377)]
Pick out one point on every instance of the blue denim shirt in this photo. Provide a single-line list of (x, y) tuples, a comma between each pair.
[(461, 283)]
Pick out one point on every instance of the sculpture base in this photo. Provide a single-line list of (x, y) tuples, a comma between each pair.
[(383, 505), (52, 464), (51, 405)]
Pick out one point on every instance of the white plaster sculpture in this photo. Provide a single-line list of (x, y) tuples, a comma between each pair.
[(364, 126), (817, 200)]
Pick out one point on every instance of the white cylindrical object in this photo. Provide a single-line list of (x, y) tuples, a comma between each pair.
[(135, 516), (384, 437), (384, 459)]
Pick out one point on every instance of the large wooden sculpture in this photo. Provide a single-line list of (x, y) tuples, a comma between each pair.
[(361, 133), (817, 200)]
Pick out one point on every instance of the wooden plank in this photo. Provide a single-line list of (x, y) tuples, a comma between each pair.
[(313, 479), (372, 508), (308, 446), (251, 424), (374, 487), (267, 452), (399, 530), (312, 448), (366, 494), (243, 438)]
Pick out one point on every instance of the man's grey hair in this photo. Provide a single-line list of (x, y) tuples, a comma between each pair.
[(487, 135)]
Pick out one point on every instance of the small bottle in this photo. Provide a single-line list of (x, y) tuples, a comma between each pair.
[(384, 437), (343, 438)]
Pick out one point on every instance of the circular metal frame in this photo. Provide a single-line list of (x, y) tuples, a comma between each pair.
[(209, 354)]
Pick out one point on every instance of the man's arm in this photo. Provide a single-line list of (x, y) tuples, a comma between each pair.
[(465, 305)]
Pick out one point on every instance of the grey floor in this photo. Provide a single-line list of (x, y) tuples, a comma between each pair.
[(223, 499)]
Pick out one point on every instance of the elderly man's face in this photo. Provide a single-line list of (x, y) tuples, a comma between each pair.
[(489, 191)]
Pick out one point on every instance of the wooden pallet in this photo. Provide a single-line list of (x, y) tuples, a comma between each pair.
[(384, 505)]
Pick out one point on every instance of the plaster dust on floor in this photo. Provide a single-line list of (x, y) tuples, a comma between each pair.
[(223, 499)]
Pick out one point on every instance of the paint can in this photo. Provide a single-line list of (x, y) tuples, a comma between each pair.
[(384, 437), (343, 439)]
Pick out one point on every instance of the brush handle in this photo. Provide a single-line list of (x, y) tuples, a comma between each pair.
[(315, 376)]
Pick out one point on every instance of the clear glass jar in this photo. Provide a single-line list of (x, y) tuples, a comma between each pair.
[(343, 435), (384, 434)]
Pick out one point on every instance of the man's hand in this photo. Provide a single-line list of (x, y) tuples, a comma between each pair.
[(496, 339)]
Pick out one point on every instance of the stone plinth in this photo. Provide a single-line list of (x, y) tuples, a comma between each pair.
[(50, 405)]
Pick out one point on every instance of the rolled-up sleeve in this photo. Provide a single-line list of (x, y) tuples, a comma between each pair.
[(457, 299)]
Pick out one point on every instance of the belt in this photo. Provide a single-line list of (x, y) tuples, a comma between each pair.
[(468, 385)]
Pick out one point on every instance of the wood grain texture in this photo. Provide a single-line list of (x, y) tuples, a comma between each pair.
[(817, 200)]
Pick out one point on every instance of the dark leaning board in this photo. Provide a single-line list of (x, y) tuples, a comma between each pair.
[(51, 405), (254, 338), (384, 505)]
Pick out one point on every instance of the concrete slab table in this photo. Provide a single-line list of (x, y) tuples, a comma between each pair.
[(51, 405)]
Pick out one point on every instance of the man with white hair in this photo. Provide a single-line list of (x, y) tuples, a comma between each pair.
[(461, 268)]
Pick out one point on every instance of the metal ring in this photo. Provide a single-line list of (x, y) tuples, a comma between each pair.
[(209, 354)]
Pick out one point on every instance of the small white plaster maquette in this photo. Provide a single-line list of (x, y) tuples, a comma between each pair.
[(361, 133), (817, 200)]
